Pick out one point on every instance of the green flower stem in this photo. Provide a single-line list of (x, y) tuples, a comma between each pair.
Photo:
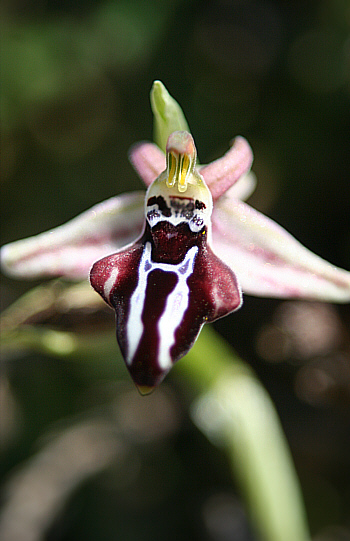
[(233, 409)]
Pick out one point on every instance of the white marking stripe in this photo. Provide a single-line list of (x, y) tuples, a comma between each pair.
[(134, 327), (175, 307), (109, 283), (197, 220)]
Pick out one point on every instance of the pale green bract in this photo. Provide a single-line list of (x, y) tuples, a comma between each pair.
[(167, 115)]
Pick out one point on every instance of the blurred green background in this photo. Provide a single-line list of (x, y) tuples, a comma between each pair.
[(82, 455)]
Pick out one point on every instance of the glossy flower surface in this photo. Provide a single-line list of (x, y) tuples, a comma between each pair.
[(194, 245)]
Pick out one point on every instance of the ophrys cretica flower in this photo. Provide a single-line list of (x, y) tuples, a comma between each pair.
[(197, 244)]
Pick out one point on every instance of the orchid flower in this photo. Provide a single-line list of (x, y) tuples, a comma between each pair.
[(178, 256)]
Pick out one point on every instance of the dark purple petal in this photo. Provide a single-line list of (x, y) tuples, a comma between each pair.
[(164, 288)]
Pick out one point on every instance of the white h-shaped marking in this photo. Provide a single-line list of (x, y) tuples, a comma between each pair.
[(176, 305)]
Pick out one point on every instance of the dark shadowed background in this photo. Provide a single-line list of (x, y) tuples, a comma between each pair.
[(82, 456)]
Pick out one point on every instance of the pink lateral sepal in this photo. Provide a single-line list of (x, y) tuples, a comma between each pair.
[(148, 160), (223, 173)]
